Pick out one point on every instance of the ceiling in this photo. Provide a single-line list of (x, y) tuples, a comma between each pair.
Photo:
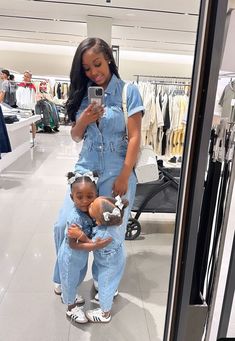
[(152, 25)]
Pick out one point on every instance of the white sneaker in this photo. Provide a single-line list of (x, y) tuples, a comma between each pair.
[(57, 289), (97, 316), (76, 314), (97, 295)]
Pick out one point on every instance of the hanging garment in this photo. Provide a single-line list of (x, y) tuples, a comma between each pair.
[(229, 150), (225, 100), (49, 115), (5, 146), (213, 197), (26, 96)]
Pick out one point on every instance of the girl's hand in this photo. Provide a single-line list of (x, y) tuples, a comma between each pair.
[(74, 231), (90, 246), (92, 113), (101, 243), (120, 186)]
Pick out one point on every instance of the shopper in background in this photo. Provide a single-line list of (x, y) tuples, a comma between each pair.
[(26, 97), (5, 87), (13, 88), (105, 150)]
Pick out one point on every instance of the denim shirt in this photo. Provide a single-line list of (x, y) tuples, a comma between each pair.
[(110, 135), (81, 219)]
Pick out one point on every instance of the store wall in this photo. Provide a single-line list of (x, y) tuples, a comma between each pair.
[(39, 63), (58, 63), (129, 68)]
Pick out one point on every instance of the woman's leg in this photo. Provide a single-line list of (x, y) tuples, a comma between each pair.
[(59, 228)]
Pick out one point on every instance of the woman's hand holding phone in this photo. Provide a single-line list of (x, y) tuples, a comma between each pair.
[(92, 113)]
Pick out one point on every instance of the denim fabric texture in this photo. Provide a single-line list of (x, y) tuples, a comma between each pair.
[(71, 263), (104, 150)]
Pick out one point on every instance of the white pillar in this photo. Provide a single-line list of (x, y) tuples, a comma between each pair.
[(99, 27)]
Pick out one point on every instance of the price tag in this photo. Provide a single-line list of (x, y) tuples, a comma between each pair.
[(233, 102)]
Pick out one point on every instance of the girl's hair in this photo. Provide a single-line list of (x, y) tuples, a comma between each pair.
[(80, 179), (78, 78), (108, 205)]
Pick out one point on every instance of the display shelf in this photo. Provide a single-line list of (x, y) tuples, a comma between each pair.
[(19, 135)]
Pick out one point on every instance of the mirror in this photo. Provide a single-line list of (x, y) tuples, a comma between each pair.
[(156, 49)]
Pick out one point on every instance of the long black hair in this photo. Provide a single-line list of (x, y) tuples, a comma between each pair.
[(78, 78)]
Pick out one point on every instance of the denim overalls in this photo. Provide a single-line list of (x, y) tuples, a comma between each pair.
[(73, 263), (104, 150)]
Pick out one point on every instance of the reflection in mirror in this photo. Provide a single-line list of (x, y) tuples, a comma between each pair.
[(216, 231), (155, 46)]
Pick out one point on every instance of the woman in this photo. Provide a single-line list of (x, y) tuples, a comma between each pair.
[(105, 151), (5, 95)]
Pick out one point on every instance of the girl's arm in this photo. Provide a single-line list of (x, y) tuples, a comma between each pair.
[(91, 114), (91, 246), (120, 185), (75, 232)]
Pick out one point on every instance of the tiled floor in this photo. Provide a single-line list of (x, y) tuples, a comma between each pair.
[(31, 192)]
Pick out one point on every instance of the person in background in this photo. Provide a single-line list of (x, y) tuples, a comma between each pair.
[(5, 87), (26, 97), (108, 150), (13, 88)]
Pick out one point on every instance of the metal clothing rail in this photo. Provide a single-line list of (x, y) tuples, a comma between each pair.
[(161, 77), (227, 75)]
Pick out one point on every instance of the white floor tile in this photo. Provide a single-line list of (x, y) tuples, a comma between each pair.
[(31, 193)]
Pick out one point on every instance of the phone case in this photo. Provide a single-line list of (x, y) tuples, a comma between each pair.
[(96, 94)]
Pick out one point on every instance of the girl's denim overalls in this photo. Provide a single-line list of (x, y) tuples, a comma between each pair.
[(72, 263)]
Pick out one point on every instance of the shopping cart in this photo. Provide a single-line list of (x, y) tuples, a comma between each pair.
[(154, 197)]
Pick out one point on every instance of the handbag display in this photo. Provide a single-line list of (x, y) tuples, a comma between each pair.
[(146, 168)]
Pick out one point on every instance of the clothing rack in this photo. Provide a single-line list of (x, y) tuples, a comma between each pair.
[(226, 75), (167, 78)]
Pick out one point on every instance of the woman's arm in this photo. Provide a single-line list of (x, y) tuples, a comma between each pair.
[(91, 114), (2, 95), (120, 185)]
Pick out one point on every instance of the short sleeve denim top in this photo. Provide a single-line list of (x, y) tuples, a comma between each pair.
[(81, 219), (110, 135)]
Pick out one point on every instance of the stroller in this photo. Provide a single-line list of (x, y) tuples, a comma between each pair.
[(154, 197)]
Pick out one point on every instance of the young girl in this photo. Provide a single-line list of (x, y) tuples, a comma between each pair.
[(72, 259), (72, 262)]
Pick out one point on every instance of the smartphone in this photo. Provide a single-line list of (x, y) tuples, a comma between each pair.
[(96, 94)]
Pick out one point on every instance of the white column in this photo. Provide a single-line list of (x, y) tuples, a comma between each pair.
[(99, 27)]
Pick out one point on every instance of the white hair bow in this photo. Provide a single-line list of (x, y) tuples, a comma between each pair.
[(78, 175), (118, 202), (116, 212)]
